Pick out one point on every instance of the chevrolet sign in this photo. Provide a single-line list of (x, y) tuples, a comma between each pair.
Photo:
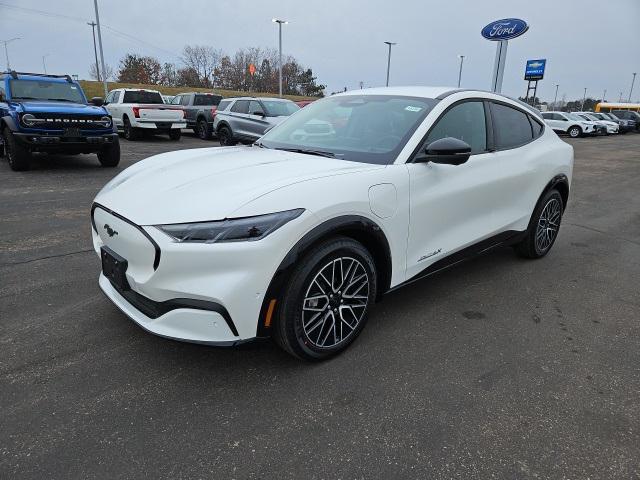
[(534, 69)]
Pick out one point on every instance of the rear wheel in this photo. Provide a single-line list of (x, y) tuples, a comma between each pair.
[(175, 134), (110, 156), (225, 136), (17, 156), (327, 300), (130, 133), (575, 131), (203, 129), (543, 226)]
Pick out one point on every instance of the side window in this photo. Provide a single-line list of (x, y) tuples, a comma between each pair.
[(223, 105), (536, 126), (109, 98), (465, 121), (116, 97), (255, 108), (176, 100), (547, 116), (185, 100), (241, 106), (511, 126)]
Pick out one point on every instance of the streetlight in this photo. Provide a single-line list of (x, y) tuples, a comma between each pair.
[(6, 52), (631, 91), (280, 23), (389, 60), (461, 57), (584, 97), (44, 64), (555, 98), (95, 50), (604, 95)]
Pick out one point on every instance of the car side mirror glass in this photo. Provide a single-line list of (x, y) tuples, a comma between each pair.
[(446, 151), (98, 101)]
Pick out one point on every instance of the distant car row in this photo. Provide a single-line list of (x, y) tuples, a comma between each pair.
[(578, 124), (232, 120)]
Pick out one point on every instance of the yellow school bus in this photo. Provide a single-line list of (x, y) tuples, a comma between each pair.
[(607, 107)]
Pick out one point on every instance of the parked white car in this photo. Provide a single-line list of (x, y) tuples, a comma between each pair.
[(136, 110), (571, 124), (611, 126), (296, 237)]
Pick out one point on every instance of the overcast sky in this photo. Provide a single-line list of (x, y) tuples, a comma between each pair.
[(588, 43)]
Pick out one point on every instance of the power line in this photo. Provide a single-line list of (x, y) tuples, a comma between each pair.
[(115, 32)]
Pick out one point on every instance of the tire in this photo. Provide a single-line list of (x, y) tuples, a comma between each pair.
[(226, 137), (543, 227), (130, 133), (175, 134), (203, 129), (574, 131), (110, 156), (17, 156), (318, 318)]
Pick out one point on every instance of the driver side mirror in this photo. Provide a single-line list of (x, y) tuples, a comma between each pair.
[(258, 113), (446, 151), (98, 101)]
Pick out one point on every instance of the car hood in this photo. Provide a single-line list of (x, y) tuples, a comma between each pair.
[(211, 183), (61, 107)]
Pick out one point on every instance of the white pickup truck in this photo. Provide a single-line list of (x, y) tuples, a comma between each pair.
[(136, 110)]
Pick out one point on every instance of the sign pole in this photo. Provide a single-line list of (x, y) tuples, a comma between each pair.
[(498, 65)]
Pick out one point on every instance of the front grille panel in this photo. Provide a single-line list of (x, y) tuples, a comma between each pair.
[(59, 121)]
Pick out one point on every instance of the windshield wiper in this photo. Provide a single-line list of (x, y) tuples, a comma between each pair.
[(260, 144), (319, 153), (24, 98), (61, 100)]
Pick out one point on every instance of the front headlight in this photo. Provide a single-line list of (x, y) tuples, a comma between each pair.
[(230, 230), (104, 122), (28, 119)]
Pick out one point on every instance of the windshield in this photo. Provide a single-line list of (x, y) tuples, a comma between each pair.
[(360, 128), (576, 117), (142, 96), (279, 108), (43, 90)]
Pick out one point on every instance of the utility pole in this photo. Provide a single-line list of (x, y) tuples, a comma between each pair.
[(631, 91), (280, 23), (6, 52), (584, 97), (604, 95), (389, 60), (44, 64), (555, 97), (104, 70), (461, 57), (95, 50)]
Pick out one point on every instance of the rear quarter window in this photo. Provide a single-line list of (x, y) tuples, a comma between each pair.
[(223, 105), (512, 127)]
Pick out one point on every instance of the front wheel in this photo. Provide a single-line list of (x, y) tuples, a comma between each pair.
[(17, 155), (575, 132), (175, 134), (543, 226), (327, 300), (110, 156)]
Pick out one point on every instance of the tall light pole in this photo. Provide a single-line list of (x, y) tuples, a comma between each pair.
[(604, 95), (6, 52), (389, 60), (555, 97), (584, 97), (280, 23), (631, 91), (95, 50), (461, 57), (104, 79), (44, 64)]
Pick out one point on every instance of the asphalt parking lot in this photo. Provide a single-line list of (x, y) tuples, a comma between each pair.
[(498, 368)]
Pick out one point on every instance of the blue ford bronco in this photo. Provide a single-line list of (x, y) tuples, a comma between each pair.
[(50, 114)]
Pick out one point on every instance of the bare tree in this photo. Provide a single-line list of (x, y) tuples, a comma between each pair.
[(202, 59), (93, 72)]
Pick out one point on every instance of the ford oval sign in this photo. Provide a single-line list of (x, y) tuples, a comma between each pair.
[(505, 29)]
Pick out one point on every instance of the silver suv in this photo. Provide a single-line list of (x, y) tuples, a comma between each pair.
[(245, 119)]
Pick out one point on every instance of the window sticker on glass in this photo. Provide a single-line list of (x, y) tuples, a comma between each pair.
[(412, 109)]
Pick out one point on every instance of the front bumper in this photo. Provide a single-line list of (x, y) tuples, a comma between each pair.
[(60, 143)]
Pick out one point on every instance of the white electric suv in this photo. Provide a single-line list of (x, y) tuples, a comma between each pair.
[(296, 236), (573, 125)]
